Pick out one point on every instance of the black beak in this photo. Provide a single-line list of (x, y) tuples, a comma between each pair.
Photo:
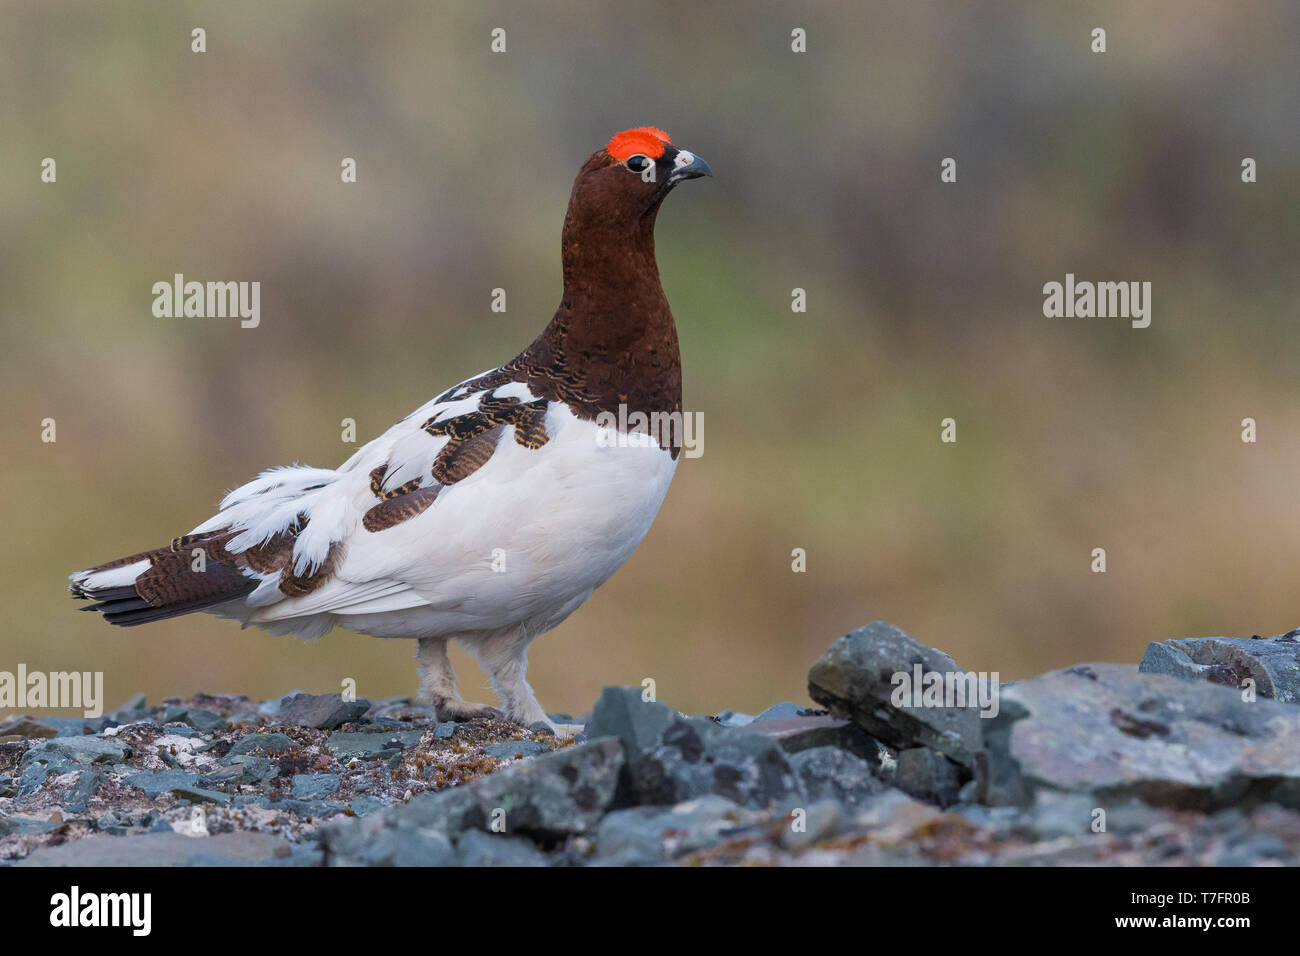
[(688, 166)]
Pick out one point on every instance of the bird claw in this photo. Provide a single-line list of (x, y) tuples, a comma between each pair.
[(450, 708)]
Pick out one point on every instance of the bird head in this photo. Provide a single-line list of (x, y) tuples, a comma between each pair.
[(631, 175)]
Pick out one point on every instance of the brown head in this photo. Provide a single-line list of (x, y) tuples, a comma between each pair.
[(612, 341), (609, 227), (622, 185)]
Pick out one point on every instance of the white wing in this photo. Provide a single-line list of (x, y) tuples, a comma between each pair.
[(525, 535)]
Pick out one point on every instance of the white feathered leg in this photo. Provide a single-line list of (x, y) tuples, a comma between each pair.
[(505, 658), (438, 683)]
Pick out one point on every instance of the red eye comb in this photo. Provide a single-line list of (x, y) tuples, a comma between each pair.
[(643, 139)]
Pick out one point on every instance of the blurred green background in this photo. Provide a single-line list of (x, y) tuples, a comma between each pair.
[(822, 429)]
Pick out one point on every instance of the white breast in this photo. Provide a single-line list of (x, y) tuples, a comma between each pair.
[(523, 540)]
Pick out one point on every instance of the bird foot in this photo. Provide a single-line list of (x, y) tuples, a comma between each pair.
[(453, 708)]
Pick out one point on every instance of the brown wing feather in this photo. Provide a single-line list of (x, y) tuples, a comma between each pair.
[(173, 585)]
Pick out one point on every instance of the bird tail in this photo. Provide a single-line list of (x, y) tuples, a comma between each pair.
[(194, 573)]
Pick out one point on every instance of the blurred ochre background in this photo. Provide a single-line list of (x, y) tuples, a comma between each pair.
[(822, 429)]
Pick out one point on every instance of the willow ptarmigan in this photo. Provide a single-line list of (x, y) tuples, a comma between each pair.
[(488, 515)]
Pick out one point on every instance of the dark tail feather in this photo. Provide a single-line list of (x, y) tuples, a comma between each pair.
[(102, 594), (169, 587)]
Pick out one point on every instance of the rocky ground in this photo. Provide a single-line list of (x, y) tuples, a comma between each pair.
[(1171, 762)]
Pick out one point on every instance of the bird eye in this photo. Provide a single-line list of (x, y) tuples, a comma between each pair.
[(638, 163)]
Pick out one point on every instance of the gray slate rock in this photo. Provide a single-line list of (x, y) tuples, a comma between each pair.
[(729, 718), (200, 795), (29, 728), (234, 773), (695, 756), (315, 809), (40, 768), (269, 708), (246, 720), (112, 822), (783, 709), (819, 821), (1055, 815), (370, 746), (11, 825), (133, 709), (178, 729), (268, 743), (88, 784), (322, 711), (649, 836), (795, 734), (672, 758), (204, 721), (1273, 663), (161, 849), (547, 798), (80, 750), (928, 775), (478, 848), (314, 786), (389, 847), (366, 805), (622, 713), (854, 679), (515, 748), (73, 726), (1111, 732), (832, 773), (258, 770)]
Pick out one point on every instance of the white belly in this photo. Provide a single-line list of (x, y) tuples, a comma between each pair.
[(521, 542)]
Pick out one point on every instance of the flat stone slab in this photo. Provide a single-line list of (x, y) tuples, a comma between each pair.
[(1273, 663), (1110, 731), (516, 748), (23, 727), (321, 711), (344, 746), (162, 849), (81, 750), (855, 680), (254, 743), (797, 734), (163, 781)]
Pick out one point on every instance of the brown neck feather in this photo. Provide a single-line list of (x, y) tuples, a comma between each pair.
[(612, 340)]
